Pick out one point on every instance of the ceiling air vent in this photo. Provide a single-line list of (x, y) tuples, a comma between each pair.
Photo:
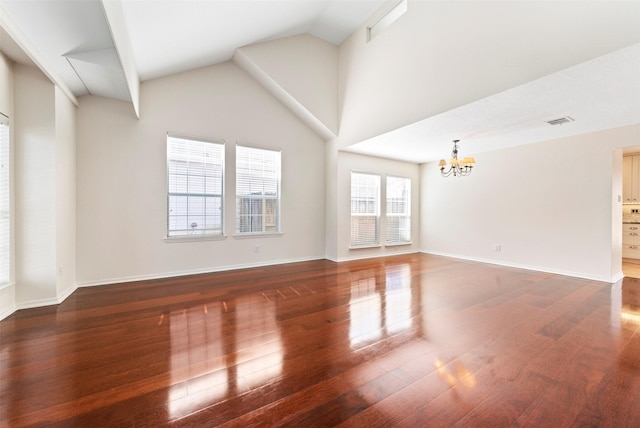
[(560, 121)]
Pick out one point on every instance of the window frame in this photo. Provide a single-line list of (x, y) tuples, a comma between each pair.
[(252, 198), (371, 243), (406, 214), (205, 233)]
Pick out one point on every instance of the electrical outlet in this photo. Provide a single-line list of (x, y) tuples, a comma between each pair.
[(256, 249), (498, 247)]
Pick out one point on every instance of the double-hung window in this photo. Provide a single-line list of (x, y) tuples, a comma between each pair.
[(257, 190), (398, 213), (365, 209), (5, 202), (195, 187)]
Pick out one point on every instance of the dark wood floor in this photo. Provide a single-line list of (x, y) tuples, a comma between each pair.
[(406, 341)]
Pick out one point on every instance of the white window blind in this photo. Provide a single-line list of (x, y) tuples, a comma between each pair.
[(365, 209), (398, 210), (195, 187), (5, 202), (257, 190)]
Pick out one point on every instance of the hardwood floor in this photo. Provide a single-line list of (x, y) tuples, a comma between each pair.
[(405, 341), (631, 270)]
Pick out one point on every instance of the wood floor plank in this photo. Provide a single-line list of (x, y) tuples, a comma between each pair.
[(411, 340)]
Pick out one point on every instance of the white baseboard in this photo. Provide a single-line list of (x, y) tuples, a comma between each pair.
[(373, 256), (134, 278), (609, 279)]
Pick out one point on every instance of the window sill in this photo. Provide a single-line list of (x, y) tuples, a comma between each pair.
[(360, 247), (258, 235), (194, 238), (5, 286), (397, 244)]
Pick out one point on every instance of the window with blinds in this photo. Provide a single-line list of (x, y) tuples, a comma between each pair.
[(257, 190), (5, 202), (195, 187), (398, 215), (365, 209)]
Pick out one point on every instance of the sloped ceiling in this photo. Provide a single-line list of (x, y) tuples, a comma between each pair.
[(74, 42)]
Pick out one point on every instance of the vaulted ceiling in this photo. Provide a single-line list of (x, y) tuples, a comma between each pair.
[(106, 47), (78, 39)]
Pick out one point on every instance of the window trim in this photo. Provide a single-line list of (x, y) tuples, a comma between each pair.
[(386, 213), (200, 236), (378, 213), (263, 233)]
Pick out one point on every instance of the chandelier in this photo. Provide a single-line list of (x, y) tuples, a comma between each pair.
[(456, 167)]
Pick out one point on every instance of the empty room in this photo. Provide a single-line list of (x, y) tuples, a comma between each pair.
[(319, 213)]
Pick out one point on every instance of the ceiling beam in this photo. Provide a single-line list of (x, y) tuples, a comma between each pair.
[(114, 16), (32, 52)]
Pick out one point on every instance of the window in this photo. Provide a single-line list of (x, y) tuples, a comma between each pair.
[(195, 187), (398, 210), (365, 209), (257, 190), (5, 202)]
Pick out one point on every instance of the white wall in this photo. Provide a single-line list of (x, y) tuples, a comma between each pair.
[(616, 212), (6, 85), (65, 179), (331, 201), (121, 177), (306, 67), (348, 162), (7, 292), (548, 205), (35, 186)]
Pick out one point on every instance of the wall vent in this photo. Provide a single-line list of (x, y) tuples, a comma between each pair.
[(560, 121)]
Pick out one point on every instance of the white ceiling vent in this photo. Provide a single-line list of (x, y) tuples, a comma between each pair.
[(560, 121)]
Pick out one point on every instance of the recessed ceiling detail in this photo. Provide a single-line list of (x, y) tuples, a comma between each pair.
[(100, 72)]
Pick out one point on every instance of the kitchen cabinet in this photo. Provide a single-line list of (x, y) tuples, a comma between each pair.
[(631, 240), (631, 179)]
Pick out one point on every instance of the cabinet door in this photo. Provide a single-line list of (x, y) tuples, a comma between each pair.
[(627, 178)]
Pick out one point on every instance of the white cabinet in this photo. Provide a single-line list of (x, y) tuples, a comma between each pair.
[(631, 179), (631, 240)]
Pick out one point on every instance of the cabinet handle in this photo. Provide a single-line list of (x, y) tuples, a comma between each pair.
[(633, 247), (633, 234), (633, 228)]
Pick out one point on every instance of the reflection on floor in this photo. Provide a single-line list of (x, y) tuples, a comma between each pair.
[(631, 270)]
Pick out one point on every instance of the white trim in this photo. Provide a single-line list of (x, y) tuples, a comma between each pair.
[(8, 289), (397, 244), (362, 247), (6, 286), (258, 235), (373, 256), (194, 238), (176, 274), (8, 312), (38, 303), (612, 279), (66, 293)]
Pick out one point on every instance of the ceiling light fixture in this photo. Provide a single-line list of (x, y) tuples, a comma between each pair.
[(457, 168)]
